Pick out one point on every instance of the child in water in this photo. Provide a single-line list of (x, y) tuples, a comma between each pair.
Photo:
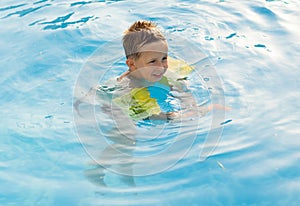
[(142, 93), (145, 94), (146, 50)]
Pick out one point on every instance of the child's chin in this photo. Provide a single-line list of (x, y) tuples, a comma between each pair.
[(156, 78)]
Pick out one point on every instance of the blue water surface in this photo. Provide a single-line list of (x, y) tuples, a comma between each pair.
[(253, 45)]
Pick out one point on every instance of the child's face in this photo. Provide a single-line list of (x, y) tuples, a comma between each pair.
[(152, 64)]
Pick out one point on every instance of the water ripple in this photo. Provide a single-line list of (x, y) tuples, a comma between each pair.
[(41, 1), (81, 3), (255, 48), (26, 11), (265, 12), (12, 7), (61, 24)]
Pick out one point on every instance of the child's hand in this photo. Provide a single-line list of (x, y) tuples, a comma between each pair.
[(218, 106), (202, 110), (164, 116), (171, 115)]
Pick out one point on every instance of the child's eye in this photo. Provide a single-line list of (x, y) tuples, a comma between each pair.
[(164, 58), (152, 61)]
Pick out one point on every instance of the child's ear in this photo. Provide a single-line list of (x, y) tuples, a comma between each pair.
[(130, 63)]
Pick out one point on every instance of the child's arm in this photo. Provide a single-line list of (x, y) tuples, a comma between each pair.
[(189, 104), (164, 116)]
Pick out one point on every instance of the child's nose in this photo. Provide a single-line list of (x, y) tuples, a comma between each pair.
[(160, 69), (162, 64)]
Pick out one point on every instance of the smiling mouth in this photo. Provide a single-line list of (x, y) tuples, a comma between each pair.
[(157, 75)]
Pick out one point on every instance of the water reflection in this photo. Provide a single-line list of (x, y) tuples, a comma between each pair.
[(46, 8)]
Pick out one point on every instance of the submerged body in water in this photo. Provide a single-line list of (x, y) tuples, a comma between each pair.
[(141, 104), (141, 115)]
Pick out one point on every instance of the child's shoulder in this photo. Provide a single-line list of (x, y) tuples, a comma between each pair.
[(112, 88)]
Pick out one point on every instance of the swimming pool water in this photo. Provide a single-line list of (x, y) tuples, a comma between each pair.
[(253, 46)]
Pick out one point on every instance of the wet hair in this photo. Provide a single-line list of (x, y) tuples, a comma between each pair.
[(139, 34)]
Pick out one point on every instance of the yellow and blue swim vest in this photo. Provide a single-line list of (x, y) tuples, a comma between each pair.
[(143, 102)]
